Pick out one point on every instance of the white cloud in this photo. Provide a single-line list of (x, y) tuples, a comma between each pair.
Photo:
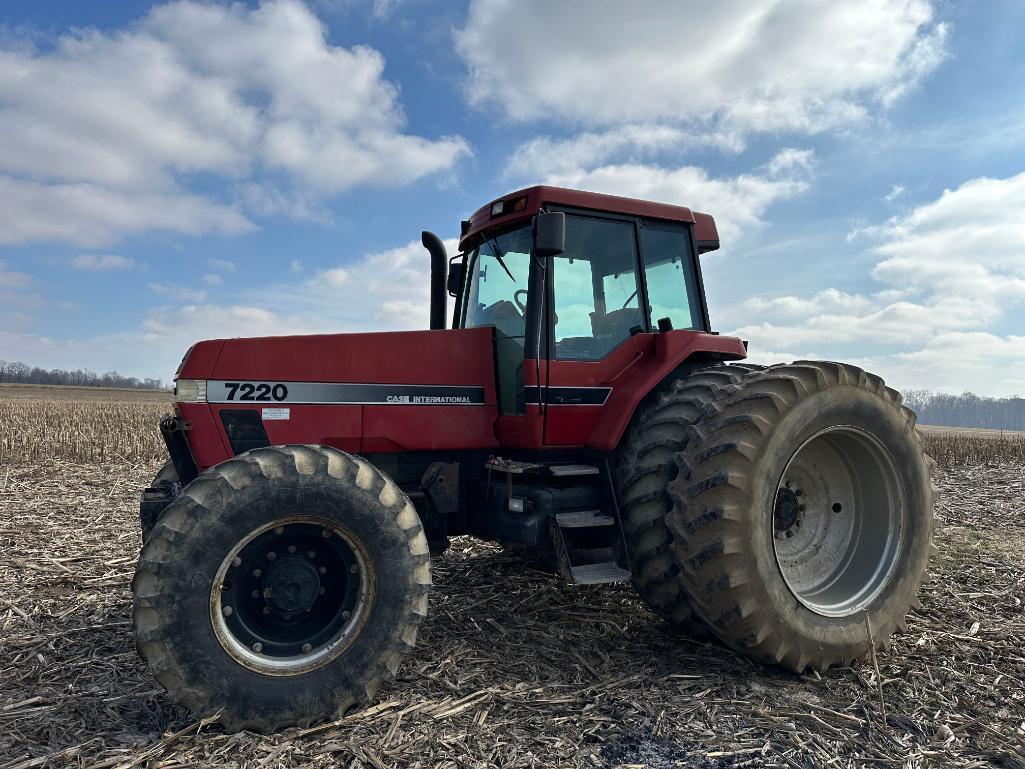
[(91, 215), (737, 202), (727, 68), (213, 279), (103, 262), (545, 155), (102, 132), (895, 192), (953, 272)]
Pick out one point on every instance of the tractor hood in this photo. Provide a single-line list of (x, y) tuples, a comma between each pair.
[(396, 391)]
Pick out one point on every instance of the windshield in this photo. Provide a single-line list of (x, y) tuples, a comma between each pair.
[(496, 292)]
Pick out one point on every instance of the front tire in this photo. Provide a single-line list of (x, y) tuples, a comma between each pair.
[(281, 587), (804, 503)]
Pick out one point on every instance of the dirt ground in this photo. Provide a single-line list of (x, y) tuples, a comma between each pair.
[(17, 392), (514, 668)]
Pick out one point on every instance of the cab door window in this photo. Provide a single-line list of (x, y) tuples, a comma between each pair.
[(595, 288), (670, 275)]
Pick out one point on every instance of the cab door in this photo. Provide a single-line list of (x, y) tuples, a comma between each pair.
[(502, 291), (616, 279)]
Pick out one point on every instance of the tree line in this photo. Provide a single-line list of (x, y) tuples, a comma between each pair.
[(17, 372), (967, 410)]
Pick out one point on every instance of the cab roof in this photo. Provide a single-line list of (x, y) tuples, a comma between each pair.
[(520, 206)]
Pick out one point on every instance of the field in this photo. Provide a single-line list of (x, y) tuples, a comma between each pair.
[(513, 668)]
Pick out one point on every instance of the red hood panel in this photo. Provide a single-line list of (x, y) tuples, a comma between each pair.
[(444, 357)]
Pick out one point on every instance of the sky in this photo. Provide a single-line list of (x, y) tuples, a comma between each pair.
[(189, 170)]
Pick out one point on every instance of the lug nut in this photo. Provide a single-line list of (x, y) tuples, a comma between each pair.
[(291, 549), (272, 555), (306, 648), (346, 614), (266, 610), (257, 647), (279, 530), (226, 611), (255, 594), (322, 570), (311, 554), (322, 591), (325, 533), (354, 568), (257, 572), (236, 561)]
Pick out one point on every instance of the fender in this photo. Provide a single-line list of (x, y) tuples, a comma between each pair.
[(668, 351)]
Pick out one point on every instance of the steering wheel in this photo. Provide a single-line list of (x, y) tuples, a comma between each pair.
[(629, 299), (522, 306)]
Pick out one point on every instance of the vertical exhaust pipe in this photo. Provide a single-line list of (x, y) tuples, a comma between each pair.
[(439, 266)]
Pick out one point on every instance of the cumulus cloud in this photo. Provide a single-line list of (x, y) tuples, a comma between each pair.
[(102, 132), (728, 68), (951, 271)]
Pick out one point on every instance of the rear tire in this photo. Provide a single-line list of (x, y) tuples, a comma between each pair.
[(281, 587), (804, 501), (645, 465)]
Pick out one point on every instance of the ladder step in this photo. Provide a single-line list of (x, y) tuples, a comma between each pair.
[(599, 573), (562, 470), (584, 519), (511, 466)]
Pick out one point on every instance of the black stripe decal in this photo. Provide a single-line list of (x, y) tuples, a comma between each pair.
[(339, 393), (570, 396)]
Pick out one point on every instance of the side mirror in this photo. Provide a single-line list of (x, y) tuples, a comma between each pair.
[(549, 234), (456, 273)]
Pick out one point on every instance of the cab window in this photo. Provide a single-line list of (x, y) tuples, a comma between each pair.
[(670, 275), (497, 289), (595, 286)]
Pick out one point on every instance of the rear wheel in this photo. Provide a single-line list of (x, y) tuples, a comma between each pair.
[(645, 465), (281, 587), (805, 504)]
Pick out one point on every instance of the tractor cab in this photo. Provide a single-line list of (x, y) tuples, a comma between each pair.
[(574, 285)]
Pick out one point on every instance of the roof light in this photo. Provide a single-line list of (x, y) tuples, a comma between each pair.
[(509, 206)]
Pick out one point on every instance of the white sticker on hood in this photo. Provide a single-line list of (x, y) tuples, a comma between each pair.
[(276, 414)]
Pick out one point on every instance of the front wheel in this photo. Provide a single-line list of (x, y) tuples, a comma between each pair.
[(281, 587), (804, 508)]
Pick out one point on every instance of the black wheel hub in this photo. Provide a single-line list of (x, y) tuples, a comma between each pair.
[(291, 585), (787, 511), (291, 590)]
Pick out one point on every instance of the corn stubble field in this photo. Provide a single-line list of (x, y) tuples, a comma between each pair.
[(512, 668)]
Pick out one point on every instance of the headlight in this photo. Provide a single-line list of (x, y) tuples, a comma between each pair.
[(190, 390)]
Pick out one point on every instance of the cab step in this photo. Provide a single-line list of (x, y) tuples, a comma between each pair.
[(562, 471), (584, 519), (599, 573)]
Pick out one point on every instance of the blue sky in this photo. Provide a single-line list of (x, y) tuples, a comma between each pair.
[(180, 171)]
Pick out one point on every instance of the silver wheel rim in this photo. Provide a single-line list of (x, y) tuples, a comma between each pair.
[(838, 521), (313, 657)]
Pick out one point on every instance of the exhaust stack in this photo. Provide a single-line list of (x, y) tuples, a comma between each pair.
[(439, 260)]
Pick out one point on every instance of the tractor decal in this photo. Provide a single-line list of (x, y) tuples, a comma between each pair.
[(338, 393)]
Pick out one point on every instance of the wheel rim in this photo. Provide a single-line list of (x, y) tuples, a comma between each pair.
[(291, 595), (838, 521)]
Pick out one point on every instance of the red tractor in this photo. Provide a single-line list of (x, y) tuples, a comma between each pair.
[(579, 405)]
